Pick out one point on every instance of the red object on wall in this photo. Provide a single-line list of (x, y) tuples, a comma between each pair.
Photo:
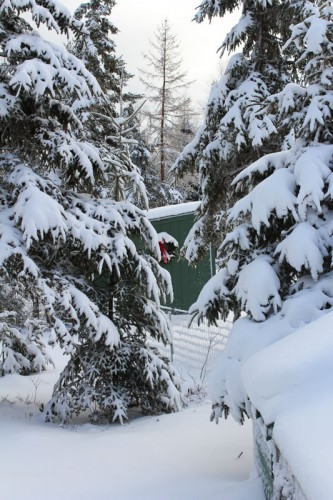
[(165, 255)]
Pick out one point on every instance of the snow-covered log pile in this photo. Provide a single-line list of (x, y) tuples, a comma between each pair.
[(290, 383), (285, 378), (277, 478)]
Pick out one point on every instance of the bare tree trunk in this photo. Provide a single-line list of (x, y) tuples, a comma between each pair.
[(118, 187), (162, 146), (165, 81)]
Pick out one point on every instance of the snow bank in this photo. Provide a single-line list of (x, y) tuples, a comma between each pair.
[(291, 383), (180, 456), (246, 338)]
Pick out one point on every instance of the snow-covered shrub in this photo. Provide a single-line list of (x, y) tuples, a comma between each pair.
[(110, 382)]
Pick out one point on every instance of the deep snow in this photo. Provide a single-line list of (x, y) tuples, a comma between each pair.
[(286, 372), (177, 456), (290, 382)]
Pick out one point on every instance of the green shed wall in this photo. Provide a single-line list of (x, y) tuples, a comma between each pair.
[(187, 280)]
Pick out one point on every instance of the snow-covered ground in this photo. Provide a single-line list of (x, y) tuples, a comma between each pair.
[(177, 456)]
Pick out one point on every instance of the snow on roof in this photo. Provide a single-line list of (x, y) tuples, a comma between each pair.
[(291, 384), (173, 210)]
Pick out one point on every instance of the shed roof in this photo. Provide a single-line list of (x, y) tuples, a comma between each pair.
[(173, 210)]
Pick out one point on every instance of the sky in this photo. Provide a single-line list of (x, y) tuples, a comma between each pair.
[(137, 21)]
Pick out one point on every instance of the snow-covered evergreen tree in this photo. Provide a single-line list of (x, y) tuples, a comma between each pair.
[(97, 49), (141, 152), (34, 77), (278, 264), (235, 133), (116, 128), (108, 124), (64, 241)]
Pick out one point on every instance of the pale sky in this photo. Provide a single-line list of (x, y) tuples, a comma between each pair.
[(137, 21)]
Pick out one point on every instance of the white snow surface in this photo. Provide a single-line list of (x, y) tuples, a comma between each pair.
[(291, 383), (173, 210), (253, 292), (176, 456), (275, 193), (164, 237)]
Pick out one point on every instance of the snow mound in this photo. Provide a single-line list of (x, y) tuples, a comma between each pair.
[(291, 384)]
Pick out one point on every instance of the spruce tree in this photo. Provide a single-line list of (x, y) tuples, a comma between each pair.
[(235, 133), (35, 78), (96, 49), (65, 241), (278, 265), (141, 151), (115, 125), (108, 123)]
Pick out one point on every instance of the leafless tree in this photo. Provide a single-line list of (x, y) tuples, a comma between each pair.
[(166, 84)]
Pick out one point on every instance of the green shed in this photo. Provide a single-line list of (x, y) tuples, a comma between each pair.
[(176, 221)]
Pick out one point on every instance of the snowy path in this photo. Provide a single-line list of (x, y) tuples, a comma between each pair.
[(171, 457), (179, 456)]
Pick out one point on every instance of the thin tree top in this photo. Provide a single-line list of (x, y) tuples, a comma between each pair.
[(164, 61)]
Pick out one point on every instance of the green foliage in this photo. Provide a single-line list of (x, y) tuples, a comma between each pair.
[(236, 131), (66, 218)]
